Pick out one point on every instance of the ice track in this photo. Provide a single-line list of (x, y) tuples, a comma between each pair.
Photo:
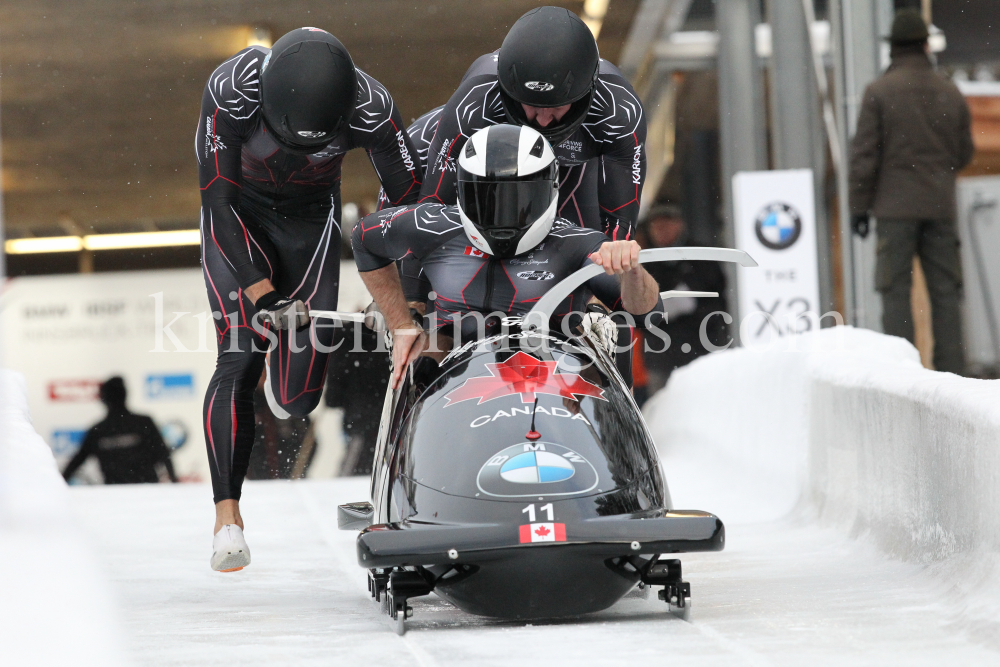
[(783, 593)]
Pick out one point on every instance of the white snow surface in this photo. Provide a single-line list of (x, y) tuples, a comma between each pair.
[(55, 606), (859, 493), (844, 429)]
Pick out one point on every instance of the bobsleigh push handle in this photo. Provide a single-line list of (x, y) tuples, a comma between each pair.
[(538, 317), (337, 315)]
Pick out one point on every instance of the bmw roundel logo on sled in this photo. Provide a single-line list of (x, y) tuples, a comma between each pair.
[(536, 469), (778, 226)]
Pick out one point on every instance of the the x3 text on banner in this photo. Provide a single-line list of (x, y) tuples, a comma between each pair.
[(776, 223)]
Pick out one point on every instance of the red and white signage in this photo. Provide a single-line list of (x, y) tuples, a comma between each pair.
[(543, 532), (475, 252), (74, 390)]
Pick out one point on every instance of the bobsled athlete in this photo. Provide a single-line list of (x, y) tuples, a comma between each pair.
[(498, 250), (275, 126), (580, 103), (548, 75)]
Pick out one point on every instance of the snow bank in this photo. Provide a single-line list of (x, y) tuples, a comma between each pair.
[(845, 426), (54, 607)]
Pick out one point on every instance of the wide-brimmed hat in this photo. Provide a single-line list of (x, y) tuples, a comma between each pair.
[(908, 27)]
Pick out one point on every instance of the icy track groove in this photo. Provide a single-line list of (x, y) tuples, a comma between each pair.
[(783, 593)]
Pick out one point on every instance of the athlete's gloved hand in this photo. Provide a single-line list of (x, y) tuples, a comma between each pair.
[(598, 324), (859, 223), (281, 312)]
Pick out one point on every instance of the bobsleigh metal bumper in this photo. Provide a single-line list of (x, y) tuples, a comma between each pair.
[(651, 532)]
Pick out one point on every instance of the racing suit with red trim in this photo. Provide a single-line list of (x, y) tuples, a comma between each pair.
[(268, 213), (602, 165), (466, 280)]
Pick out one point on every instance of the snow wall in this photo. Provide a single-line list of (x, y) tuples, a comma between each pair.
[(54, 604), (845, 427)]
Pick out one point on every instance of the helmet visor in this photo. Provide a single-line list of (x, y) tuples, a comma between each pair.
[(505, 204)]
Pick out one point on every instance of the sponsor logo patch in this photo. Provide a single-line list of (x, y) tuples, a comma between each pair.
[(536, 469), (213, 142), (536, 275), (311, 134), (403, 152), (539, 86)]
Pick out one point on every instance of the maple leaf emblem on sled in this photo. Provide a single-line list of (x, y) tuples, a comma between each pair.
[(525, 375)]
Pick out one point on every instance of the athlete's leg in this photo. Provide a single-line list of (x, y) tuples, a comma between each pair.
[(228, 409), (310, 272)]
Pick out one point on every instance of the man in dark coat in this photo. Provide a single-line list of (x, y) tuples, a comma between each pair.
[(128, 446), (913, 137)]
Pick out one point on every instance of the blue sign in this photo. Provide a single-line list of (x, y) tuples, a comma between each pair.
[(169, 386), (66, 441)]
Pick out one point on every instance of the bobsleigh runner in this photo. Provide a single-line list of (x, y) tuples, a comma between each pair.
[(518, 480)]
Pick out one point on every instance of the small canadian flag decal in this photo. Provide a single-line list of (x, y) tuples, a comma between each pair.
[(475, 252), (543, 532)]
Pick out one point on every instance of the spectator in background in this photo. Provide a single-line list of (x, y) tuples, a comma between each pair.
[(357, 377), (664, 228), (128, 446), (913, 137)]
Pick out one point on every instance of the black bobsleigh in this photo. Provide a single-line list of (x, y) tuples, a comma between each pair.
[(517, 479)]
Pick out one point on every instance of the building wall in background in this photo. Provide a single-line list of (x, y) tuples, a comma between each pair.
[(66, 334)]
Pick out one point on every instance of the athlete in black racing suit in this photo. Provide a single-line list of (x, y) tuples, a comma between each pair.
[(501, 248), (601, 153), (602, 165), (275, 126), (600, 146), (466, 280)]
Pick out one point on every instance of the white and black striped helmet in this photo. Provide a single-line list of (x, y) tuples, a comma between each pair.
[(508, 189)]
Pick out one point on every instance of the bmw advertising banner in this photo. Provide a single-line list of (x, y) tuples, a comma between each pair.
[(776, 223)]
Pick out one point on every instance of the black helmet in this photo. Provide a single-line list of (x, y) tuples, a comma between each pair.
[(308, 90), (508, 189), (548, 59)]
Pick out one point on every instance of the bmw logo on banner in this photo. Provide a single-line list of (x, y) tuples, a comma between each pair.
[(533, 469), (778, 226), (774, 216)]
